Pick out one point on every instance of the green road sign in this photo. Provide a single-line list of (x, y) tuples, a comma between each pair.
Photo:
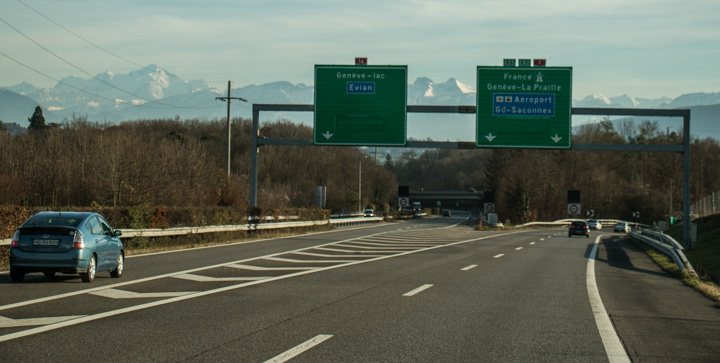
[(524, 107), (360, 105)]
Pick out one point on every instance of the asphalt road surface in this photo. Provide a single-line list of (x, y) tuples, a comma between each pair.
[(418, 291)]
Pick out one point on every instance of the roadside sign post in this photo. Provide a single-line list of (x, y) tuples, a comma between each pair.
[(360, 105), (489, 207), (574, 208), (524, 107)]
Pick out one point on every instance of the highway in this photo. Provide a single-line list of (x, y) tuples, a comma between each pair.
[(424, 290)]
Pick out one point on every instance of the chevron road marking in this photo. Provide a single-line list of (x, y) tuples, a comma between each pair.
[(122, 294), (201, 278), (14, 323)]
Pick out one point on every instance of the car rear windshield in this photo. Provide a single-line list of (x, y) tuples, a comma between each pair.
[(53, 221)]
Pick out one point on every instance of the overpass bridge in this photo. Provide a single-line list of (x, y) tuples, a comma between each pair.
[(467, 199)]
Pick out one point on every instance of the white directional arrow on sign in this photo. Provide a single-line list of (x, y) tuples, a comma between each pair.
[(556, 138), (327, 135), (490, 137)]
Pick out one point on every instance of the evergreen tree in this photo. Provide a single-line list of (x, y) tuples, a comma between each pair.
[(37, 121)]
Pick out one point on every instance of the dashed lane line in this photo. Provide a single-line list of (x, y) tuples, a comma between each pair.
[(418, 290), (299, 349)]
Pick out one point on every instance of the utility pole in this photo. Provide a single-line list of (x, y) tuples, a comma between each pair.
[(229, 132)]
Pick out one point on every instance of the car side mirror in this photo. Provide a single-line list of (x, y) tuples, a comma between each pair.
[(118, 233)]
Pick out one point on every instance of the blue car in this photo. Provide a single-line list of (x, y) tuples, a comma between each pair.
[(67, 243)]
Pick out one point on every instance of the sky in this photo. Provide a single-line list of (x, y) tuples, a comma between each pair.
[(643, 48)]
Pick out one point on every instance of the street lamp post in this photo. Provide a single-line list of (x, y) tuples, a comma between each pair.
[(360, 185), (360, 209)]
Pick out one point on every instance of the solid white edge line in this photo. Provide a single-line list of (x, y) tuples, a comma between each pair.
[(299, 349), (418, 290), (613, 347)]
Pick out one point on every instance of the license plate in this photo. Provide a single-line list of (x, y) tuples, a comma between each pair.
[(46, 242)]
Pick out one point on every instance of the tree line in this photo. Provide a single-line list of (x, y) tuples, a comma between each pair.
[(171, 162), (532, 185)]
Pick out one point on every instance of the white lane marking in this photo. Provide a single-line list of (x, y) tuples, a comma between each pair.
[(613, 347), (314, 254), (382, 246), (260, 268), (468, 268), (292, 260), (542, 239), (15, 323), (532, 243), (499, 255), (201, 278), (518, 248), (418, 290), (123, 294), (365, 253), (294, 352), (153, 304)]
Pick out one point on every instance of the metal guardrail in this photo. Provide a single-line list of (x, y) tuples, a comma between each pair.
[(665, 244), (179, 231), (563, 222)]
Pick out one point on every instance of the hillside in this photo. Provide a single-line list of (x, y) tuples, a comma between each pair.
[(705, 257)]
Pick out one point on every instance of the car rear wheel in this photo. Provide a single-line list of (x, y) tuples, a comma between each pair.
[(16, 275), (90, 274), (119, 267)]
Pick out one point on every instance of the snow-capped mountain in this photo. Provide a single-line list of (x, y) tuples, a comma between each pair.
[(153, 92)]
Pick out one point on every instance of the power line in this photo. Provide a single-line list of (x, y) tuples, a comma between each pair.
[(90, 75), (78, 36)]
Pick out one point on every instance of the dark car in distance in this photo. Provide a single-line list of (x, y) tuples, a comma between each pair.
[(579, 228), (66, 242)]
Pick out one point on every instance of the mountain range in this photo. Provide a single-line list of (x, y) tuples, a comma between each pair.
[(152, 92)]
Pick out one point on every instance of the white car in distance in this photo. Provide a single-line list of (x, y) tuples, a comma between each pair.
[(594, 224)]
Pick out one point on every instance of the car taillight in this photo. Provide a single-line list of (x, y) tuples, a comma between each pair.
[(78, 241), (15, 243)]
